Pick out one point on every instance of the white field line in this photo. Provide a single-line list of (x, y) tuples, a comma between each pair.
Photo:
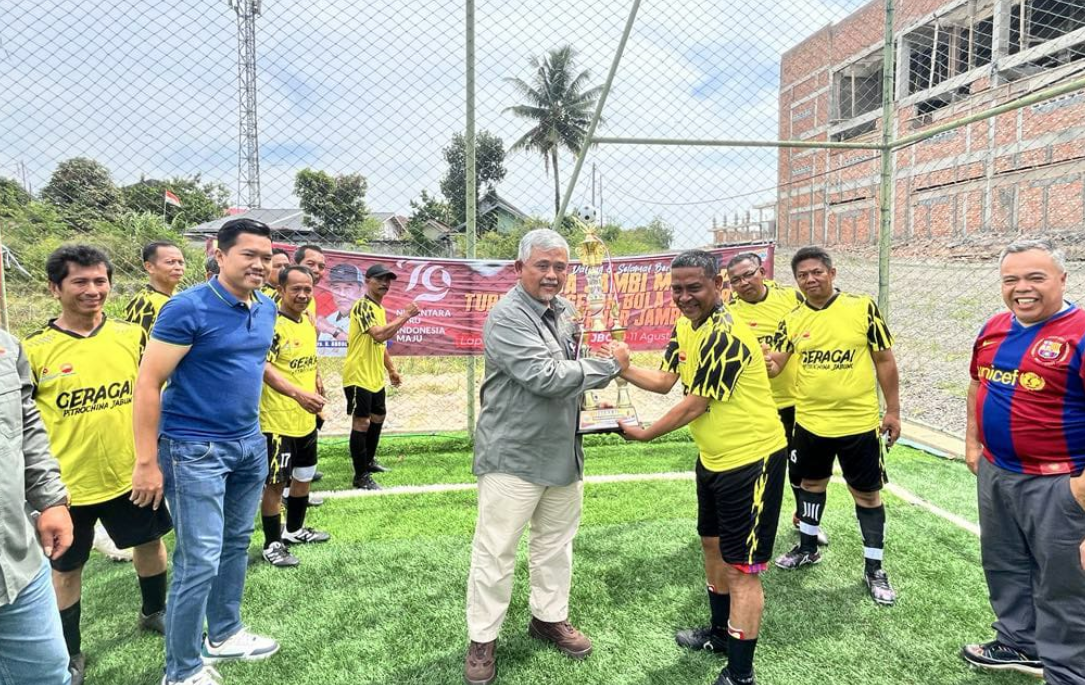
[(906, 495)]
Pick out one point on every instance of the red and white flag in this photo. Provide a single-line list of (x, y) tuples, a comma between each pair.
[(172, 199)]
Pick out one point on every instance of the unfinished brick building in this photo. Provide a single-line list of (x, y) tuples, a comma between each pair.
[(1023, 171)]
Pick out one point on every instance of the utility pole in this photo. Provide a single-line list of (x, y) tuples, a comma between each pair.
[(248, 151)]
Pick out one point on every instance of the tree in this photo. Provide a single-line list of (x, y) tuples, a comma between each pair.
[(559, 104), (489, 171), (12, 197), (83, 191), (423, 210), (334, 206), (200, 201)]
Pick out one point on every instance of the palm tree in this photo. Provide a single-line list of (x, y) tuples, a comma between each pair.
[(559, 104)]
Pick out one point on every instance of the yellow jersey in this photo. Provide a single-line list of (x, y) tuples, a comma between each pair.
[(293, 355), (764, 319), (364, 364), (836, 384), (83, 388), (144, 306), (722, 361), (271, 291)]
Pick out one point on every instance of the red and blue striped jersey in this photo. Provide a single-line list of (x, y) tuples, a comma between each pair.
[(1030, 406)]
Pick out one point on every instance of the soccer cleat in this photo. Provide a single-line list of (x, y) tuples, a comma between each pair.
[(155, 623), (77, 666), (999, 657), (317, 476), (276, 554), (241, 646), (304, 536), (880, 589), (377, 467), (315, 500), (703, 638), (725, 678), (205, 676), (797, 558), (366, 482)]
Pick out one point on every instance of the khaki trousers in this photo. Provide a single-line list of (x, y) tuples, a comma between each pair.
[(506, 505)]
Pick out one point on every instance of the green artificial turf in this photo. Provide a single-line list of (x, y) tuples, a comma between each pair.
[(423, 460), (383, 602)]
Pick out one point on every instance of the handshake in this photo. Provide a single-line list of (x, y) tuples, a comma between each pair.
[(618, 351)]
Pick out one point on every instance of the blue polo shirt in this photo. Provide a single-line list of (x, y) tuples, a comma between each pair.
[(214, 394)]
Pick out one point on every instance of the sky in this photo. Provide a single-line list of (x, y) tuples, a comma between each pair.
[(377, 88)]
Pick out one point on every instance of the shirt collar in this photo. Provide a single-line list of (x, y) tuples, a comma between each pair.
[(1066, 306), (228, 297)]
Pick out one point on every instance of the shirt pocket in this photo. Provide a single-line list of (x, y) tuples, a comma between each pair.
[(11, 406)]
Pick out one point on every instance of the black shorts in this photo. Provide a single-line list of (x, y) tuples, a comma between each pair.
[(860, 458), (285, 453), (741, 507), (362, 403), (787, 417), (127, 525)]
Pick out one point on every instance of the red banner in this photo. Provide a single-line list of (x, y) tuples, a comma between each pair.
[(456, 294)]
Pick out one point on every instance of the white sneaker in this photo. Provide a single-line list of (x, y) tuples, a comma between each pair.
[(304, 536), (205, 676), (277, 555), (104, 544), (241, 646)]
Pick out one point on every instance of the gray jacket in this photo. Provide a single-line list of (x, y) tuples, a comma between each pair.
[(530, 395), (31, 476)]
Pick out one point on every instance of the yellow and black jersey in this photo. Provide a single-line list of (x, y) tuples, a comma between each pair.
[(764, 319), (271, 291), (836, 384), (144, 306), (83, 388), (722, 361), (293, 355), (364, 365)]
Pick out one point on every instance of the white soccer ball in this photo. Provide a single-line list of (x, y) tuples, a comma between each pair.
[(587, 214)]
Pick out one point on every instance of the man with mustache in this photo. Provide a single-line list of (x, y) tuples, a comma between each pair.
[(741, 455), (528, 456), (1025, 441), (363, 371), (843, 350)]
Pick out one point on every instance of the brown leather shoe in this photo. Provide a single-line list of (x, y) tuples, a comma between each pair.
[(479, 667), (569, 641)]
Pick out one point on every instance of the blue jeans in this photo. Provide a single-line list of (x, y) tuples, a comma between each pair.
[(32, 646), (213, 490)]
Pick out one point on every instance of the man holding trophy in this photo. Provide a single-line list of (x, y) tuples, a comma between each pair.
[(528, 456), (742, 455)]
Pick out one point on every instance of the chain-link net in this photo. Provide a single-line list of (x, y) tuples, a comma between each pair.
[(343, 124)]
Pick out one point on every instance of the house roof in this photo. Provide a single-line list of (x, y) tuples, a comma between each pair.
[(284, 220), (492, 203)]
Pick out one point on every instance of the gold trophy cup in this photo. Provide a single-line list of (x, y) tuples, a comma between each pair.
[(601, 325)]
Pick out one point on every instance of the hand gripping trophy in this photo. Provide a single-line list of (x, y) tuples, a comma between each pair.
[(602, 323)]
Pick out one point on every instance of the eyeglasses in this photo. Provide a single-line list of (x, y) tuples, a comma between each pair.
[(749, 275)]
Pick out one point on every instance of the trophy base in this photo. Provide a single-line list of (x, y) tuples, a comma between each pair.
[(606, 420)]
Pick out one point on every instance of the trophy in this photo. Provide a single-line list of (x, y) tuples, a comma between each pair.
[(601, 324)]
